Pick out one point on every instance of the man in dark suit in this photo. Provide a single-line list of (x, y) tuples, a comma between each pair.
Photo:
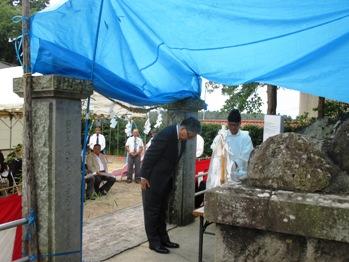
[(157, 178)]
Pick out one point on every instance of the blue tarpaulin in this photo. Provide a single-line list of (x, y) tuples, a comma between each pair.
[(154, 52)]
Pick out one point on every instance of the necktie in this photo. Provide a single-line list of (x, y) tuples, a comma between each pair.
[(97, 141), (179, 147), (135, 145)]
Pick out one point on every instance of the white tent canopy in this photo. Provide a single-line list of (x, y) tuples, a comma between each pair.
[(9, 101), (11, 105)]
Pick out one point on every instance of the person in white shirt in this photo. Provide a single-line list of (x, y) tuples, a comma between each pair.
[(199, 145), (231, 152), (134, 147), (97, 138)]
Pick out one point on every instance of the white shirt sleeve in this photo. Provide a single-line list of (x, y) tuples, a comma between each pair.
[(199, 145), (141, 144)]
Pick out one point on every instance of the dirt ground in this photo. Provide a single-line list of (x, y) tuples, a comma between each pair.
[(121, 195)]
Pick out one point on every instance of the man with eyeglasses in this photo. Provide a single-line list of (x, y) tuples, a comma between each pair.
[(157, 178)]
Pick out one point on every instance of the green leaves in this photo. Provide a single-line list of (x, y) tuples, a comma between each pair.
[(10, 30), (243, 97)]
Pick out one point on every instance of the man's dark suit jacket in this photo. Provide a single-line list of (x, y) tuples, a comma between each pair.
[(160, 160)]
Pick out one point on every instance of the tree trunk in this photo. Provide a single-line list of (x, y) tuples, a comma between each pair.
[(321, 108), (272, 99)]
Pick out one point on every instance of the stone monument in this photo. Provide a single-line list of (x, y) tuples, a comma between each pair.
[(56, 123), (283, 212)]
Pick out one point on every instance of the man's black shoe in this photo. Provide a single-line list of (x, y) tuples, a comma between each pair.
[(171, 244), (129, 180), (159, 249), (103, 192)]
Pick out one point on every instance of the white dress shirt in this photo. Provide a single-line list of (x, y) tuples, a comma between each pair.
[(93, 141), (134, 144)]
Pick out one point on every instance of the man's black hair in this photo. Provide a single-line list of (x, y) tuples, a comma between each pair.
[(97, 145), (234, 116), (192, 125)]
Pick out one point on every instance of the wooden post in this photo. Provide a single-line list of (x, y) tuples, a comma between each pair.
[(30, 245), (272, 99), (321, 108)]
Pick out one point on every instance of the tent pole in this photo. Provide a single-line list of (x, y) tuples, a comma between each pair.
[(109, 140), (11, 131), (30, 246)]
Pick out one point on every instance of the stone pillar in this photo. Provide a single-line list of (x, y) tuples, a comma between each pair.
[(56, 154), (182, 200)]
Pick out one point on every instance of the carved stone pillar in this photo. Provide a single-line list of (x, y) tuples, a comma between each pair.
[(182, 200), (56, 109)]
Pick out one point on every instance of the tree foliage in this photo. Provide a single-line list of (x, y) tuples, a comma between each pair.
[(10, 30), (335, 110), (242, 97)]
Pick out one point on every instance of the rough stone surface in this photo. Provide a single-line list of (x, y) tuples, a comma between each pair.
[(339, 184), (56, 86), (310, 215), (289, 161), (242, 244), (339, 148), (320, 131), (181, 204), (56, 156)]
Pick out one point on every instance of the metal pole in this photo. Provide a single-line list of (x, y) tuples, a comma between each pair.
[(11, 131), (117, 140), (13, 223), (23, 259), (30, 246), (109, 140)]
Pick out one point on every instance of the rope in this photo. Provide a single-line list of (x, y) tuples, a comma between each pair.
[(18, 40), (96, 43), (84, 169)]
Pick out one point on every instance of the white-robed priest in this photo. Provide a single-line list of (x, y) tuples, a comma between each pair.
[(231, 151)]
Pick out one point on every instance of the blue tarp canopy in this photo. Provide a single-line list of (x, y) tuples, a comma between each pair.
[(155, 52)]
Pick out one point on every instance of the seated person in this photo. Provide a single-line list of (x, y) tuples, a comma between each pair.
[(97, 163), (231, 151), (15, 167), (2, 162), (90, 181)]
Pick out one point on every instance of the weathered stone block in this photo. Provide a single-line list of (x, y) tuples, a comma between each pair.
[(243, 244), (290, 162), (55, 86), (310, 215)]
